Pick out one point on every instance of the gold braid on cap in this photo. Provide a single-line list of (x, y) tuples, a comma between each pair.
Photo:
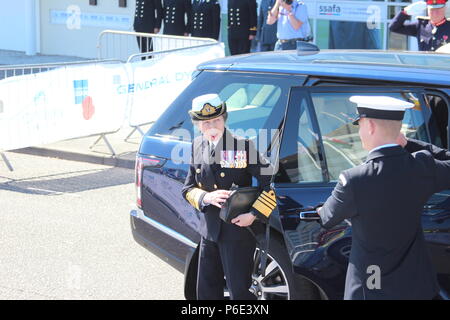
[(208, 109)]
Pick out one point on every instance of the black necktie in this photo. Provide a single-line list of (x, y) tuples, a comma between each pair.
[(212, 151)]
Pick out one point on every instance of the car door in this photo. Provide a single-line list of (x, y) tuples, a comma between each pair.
[(318, 143)]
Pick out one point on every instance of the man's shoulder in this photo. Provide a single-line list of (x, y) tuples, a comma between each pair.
[(359, 172)]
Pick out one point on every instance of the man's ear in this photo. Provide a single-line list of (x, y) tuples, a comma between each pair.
[(372, 126)]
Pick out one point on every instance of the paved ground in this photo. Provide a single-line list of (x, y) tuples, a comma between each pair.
[(80, 149), (65, 234), (64, 224)]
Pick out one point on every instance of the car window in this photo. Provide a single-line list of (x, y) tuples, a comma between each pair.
[(341, 141), (438, 123), (254, 102), (299, 153), (249, 105)]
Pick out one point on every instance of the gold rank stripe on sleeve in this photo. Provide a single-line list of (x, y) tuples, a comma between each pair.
[(253, 29), (193, 196), (269, 200), (265, 203)]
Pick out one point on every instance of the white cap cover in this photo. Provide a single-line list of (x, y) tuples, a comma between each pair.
[(212, 98), (380, 107)]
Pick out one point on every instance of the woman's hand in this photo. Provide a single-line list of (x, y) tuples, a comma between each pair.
[(244, 220), (217, 197)]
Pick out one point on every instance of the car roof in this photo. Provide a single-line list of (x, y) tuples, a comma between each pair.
[(415, 67)]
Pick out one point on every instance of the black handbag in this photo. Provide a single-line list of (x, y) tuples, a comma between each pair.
[(240, 201)]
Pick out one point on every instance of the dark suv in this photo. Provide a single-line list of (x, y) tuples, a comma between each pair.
[(306, 97)]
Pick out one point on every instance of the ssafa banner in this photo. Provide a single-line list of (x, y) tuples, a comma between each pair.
[(61, 104), (156, 83)]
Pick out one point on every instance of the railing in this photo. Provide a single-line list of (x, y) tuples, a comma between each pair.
[(122, 44), (115, 47), (9, 71)]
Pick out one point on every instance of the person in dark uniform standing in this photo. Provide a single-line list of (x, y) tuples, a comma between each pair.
[(242, 25), (177, 17), (219, 161), (148, 17), (205, 19), (267, 33), (384, 199), (431, 32)]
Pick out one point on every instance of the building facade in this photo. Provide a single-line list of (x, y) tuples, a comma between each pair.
[(72, 27)]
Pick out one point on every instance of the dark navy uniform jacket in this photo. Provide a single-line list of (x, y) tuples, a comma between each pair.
[(205, 19), (148, 15), (384, 199), (429, 37), (242, 19), (204, 177), (267, 34), (175, 13)]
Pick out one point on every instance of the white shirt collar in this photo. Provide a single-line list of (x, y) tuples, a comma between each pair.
[(384, 146)]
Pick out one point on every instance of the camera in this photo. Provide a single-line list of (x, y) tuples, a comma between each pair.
[(288, 2)]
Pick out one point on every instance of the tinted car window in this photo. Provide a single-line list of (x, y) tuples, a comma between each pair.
[(253, 102), (331, 114), (341, 141)]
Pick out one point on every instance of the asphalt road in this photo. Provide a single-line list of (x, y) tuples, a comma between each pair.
[(65, 234)]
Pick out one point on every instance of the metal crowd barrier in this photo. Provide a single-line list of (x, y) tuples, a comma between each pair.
[(116, 46), (123, 44), (9, 71), (132, 46), (157, 55)]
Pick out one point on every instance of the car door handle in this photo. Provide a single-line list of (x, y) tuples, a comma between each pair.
[(310, 215)]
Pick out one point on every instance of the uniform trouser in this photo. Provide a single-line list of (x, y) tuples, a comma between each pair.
[(145, 45), (232, 259), (239, 46)]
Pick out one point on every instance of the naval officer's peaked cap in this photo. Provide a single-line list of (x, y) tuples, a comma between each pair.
[(380, 107), (207, 107)]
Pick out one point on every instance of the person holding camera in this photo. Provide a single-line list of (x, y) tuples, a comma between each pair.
[(293, 24)]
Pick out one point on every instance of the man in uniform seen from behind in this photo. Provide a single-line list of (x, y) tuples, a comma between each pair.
[(384, 199), (431, 32), (177, 17)]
